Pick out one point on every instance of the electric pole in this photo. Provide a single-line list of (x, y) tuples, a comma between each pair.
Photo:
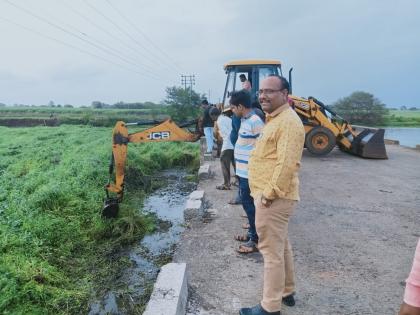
[(188, 80)]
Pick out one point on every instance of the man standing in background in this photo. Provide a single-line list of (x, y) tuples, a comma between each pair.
[(249, 131), (207, 126), (246, 85)]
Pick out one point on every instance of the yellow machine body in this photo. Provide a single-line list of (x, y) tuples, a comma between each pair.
[(324, 128)]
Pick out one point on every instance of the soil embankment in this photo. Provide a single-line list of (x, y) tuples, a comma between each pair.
[(28, 122), (354, 234)]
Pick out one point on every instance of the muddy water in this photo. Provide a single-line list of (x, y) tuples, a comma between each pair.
[(131, 289)]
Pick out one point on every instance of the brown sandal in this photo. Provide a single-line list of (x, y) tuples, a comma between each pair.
[(242, 238), (247, 248), (222, 187)]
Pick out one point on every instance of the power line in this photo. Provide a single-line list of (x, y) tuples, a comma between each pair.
[(99, 27), (127, 58), (121, 30), (77, 36), (76, 48), (125, 18)]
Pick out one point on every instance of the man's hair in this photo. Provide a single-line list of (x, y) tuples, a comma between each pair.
[(204, 102), (284, 83), (214, 111), (242, 76), (241, 97)]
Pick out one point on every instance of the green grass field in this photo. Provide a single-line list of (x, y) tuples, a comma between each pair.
[(86, 116), (403, 118), (54, 245)]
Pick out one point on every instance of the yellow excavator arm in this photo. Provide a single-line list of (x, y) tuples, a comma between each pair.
[(164, 131)]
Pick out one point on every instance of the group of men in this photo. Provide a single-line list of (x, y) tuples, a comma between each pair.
[(265, 151), (266, 158)]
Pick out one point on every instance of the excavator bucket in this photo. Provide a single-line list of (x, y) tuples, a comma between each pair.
[(369, 143), (110, 209)]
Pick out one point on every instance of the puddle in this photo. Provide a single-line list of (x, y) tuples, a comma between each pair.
[(127, 293)]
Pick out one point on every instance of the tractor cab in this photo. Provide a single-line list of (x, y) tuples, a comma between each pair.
[(253, 71)]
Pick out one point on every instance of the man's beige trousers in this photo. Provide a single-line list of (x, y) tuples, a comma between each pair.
[(279, 275)]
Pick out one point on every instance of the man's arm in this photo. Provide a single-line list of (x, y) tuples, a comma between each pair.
[(236, 124), (289, 152)]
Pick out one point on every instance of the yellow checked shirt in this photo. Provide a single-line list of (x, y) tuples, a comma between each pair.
[(274, 163)]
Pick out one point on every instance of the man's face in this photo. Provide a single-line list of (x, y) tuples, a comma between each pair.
[(214, 117), (271, 94), (237, 110)]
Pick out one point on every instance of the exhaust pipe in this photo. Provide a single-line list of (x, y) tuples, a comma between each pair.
[(290, 80)]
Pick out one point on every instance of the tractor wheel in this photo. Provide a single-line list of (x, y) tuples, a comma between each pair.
[(320, 141)]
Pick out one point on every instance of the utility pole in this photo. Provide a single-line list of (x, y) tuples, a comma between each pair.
[(188, 80)]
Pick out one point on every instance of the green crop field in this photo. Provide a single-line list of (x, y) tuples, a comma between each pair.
[(87, 116), (403, 118), (54, 245)]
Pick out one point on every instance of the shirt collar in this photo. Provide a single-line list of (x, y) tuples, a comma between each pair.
[(252, 112), (277, 111)]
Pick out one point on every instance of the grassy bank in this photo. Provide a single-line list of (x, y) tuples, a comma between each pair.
[(78, 116), (54, 245), (403, 118)]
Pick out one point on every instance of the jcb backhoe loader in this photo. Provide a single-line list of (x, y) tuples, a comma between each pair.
[(324, 128), (162, 132)]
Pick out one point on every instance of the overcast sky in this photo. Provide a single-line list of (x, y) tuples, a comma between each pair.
[(130, 50)]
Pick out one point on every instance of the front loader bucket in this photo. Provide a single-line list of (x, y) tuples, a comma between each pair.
[(369, 143), (110, 209)]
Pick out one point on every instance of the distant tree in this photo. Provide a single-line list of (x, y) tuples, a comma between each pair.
[(2, 105), (68, 106), (403, 108), (413, 108), (51, 104), (183, 104), (96, 104), (361, 108)]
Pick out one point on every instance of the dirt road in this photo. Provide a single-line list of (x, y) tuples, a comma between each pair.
[(353, 233)]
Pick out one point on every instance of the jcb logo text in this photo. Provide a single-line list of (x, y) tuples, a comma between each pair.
[(160, 135)]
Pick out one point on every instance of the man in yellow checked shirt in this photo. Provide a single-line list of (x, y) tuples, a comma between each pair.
[(274, 183)]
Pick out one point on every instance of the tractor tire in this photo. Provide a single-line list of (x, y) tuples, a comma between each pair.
[(320, 141)]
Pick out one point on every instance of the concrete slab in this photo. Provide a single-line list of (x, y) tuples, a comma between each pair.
[(204, 172), (193, 209), (170, 292), (391, 141)]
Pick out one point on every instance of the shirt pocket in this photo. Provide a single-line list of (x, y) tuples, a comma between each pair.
[(268, 145)]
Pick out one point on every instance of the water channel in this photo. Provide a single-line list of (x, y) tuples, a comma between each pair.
[(145, 257)]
